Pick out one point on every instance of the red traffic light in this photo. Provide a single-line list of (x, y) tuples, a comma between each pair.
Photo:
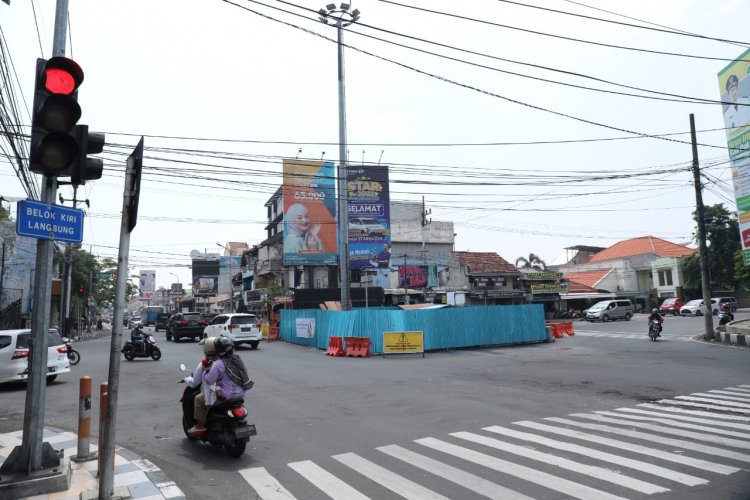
[(62, 76), (81, 291)]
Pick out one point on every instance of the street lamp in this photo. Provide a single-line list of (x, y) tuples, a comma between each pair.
[(231, 286), (342, 17)]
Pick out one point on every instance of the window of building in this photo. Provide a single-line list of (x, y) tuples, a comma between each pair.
[(665, 277)]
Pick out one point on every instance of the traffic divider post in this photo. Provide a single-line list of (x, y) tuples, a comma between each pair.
[(84, 422)]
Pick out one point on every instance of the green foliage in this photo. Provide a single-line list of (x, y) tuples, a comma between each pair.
[(86, 268), (722, 237), (4, 214), (532, 262)]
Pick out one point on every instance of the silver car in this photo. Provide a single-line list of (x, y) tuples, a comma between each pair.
[(14, 355)]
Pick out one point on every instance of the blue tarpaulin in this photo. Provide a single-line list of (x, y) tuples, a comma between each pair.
[(446, 328)]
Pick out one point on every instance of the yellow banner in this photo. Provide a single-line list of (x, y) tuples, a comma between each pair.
[(403, 342)]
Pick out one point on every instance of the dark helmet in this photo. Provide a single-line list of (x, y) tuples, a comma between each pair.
[(224, 346)]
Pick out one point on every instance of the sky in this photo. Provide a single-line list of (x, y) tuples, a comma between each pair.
[(480, 111)]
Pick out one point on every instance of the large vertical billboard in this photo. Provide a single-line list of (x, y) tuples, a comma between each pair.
[(228, 267), (734, 85), (309, 197), (370, 221), (147, 283), (205, 277)]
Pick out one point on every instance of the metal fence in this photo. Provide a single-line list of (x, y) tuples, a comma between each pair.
[(11, 300)]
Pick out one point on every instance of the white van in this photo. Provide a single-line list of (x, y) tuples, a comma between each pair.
[(610, 310)]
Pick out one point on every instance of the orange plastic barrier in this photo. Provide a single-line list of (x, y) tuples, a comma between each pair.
[(557, 330), (335, 347), (568, 328), (358, 347)]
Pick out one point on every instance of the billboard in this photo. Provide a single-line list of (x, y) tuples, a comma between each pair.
[(205, 277), (370, 221), (309, 200), (734, 85), (147, 283), (228, 266)]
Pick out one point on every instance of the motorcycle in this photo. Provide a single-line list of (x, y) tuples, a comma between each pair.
[(654, 327), (225, 422), (150, 350), (73, 355), (725, 317)]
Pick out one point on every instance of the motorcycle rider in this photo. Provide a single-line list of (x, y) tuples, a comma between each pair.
[(727, 310), (136, 336), (223, 376), (655, 316)]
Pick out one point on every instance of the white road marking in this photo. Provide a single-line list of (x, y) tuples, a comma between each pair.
[(635, 448), (265, 485), (673, 416), (397, 484), (716, 401), (737, 396), (702, 405), (638, 465), (564, 463), (680, 443), (675, 423), (326, 482), (675, 409), (700, 436), (470, 481), (550, 481)]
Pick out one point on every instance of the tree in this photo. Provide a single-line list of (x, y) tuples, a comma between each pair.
[(722, 238), (4, 214), (532, 262)]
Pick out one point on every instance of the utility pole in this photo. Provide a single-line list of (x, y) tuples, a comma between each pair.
[(341, 18), (425, 222), (702, 248)]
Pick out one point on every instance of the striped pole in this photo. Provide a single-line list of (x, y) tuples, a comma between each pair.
[(84, 421)]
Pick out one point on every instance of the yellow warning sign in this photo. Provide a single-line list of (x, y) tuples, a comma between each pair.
[(403, 342)]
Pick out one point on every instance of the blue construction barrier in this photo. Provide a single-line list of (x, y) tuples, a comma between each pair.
[(445, 328)]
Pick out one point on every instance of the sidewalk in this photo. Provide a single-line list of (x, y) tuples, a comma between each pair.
[(139, 477)]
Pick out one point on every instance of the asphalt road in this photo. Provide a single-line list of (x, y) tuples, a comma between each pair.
[(337, 412)]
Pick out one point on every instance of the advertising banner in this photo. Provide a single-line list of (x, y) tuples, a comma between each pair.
[(309, 197), (147, 284), (205, 277), (228, 266), (370, 221), (412, 276), (734, 85)]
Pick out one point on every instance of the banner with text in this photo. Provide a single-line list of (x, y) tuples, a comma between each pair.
[(205, 277), (147, 283), (734, 85), (370, 221), (309, 198)]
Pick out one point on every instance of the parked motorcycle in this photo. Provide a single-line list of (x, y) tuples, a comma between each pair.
[(150, 349), (73, 355), (225, 422), (654, 328)]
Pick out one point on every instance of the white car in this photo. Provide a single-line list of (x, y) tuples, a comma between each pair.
[(14, 355), (135, 321), (697, 308), (368, 226), (242, 328)]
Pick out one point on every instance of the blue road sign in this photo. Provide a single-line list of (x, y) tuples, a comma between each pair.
[(49, 222)]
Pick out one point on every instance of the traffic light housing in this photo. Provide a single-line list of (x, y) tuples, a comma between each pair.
[(54, 146), (81, 291), (85, 168), (59, 146)]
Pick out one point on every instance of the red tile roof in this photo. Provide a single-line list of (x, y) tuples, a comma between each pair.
[(574, 287), (640, 246), (589, 279), (486, 262)]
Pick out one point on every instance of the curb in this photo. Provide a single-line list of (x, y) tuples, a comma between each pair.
[(135, 477), (734, 338)]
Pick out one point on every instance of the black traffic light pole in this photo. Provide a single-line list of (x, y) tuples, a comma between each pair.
[(34, 455)]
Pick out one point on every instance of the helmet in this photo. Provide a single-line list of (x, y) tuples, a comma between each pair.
[(224, 346), (209, 346), (654, 310)]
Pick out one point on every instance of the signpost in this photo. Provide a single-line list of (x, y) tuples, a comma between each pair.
[(49, 222)]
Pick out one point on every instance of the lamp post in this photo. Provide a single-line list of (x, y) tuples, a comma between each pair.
[(341, 17), (231, 287)]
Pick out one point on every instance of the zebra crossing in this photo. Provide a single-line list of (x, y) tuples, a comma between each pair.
[(666, 446), (637, 336)]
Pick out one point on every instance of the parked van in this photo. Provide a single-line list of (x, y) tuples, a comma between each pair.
[(610, 310)]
